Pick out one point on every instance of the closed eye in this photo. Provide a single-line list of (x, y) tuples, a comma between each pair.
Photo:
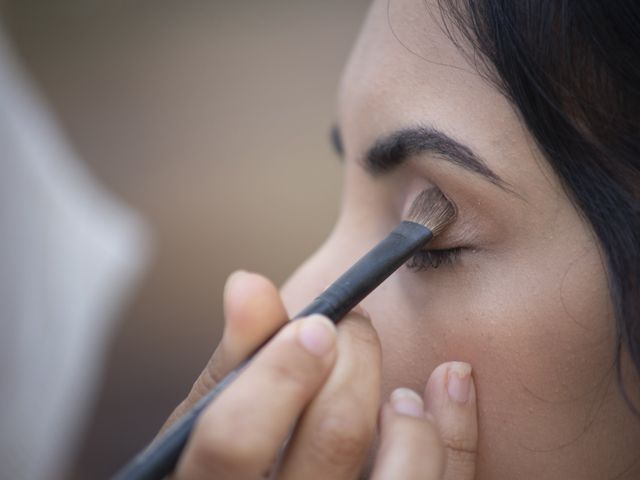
[(424, 259)]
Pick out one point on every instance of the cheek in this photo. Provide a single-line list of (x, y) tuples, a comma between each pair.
[(547, 345), (544, 364), (541, 344)]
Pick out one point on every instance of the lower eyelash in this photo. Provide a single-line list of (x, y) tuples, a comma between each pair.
[(424, 259)]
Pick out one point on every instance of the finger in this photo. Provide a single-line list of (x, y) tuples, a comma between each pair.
[(450, 397), (333, 437), (410, 446), (253, 310), (240, 433)]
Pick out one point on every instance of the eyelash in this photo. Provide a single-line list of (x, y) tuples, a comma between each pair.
[(424, 259)]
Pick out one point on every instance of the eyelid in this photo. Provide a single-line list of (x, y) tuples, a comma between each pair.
[(461, 233)]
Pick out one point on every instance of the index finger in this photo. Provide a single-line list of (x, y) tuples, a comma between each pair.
[(240, 433), (253, 310)]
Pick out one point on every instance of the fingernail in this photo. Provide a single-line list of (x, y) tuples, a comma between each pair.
[(317, 335), (407, 402), (234, 277), (459, 381)]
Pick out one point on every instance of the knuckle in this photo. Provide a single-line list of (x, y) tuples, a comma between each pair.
[(343, 438), (460, 443), (209, 378), (214, 371), (460, 450)]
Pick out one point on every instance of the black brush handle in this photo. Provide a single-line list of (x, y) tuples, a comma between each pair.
[(369, 272), (161, 456)]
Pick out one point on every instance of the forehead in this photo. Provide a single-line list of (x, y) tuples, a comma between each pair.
[(405, 71)]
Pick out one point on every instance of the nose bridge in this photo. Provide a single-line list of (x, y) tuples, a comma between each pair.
[(339, 252)]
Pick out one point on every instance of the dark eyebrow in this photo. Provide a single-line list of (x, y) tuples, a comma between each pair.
[(391, 151)]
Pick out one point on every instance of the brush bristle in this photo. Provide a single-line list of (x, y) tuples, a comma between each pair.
[(432, 209)]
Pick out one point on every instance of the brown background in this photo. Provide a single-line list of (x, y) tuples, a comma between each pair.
[(210, 118)]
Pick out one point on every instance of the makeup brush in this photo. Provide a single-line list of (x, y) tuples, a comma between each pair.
[(430, 214)]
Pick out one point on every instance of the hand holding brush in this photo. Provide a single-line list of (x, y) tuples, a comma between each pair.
[(314, 336)]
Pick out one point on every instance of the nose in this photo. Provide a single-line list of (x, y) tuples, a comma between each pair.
[(316, 273)]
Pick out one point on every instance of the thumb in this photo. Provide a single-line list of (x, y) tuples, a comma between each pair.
[(450, 399), (253, 311)]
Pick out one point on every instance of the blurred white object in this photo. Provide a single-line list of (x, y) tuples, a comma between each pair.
[(68, 255)]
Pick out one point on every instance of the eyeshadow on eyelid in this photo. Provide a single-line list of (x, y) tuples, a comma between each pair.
[(465, 231)]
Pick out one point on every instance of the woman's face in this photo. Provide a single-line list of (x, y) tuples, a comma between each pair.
[(525, 301)]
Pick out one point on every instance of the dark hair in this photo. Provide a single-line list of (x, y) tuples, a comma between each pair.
[(572, 70)]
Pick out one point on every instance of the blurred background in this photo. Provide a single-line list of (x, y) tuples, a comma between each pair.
[(211, 120)]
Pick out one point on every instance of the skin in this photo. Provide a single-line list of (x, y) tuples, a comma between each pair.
[(526, 303)]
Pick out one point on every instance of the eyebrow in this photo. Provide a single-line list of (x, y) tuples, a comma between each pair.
[(391, 151)]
